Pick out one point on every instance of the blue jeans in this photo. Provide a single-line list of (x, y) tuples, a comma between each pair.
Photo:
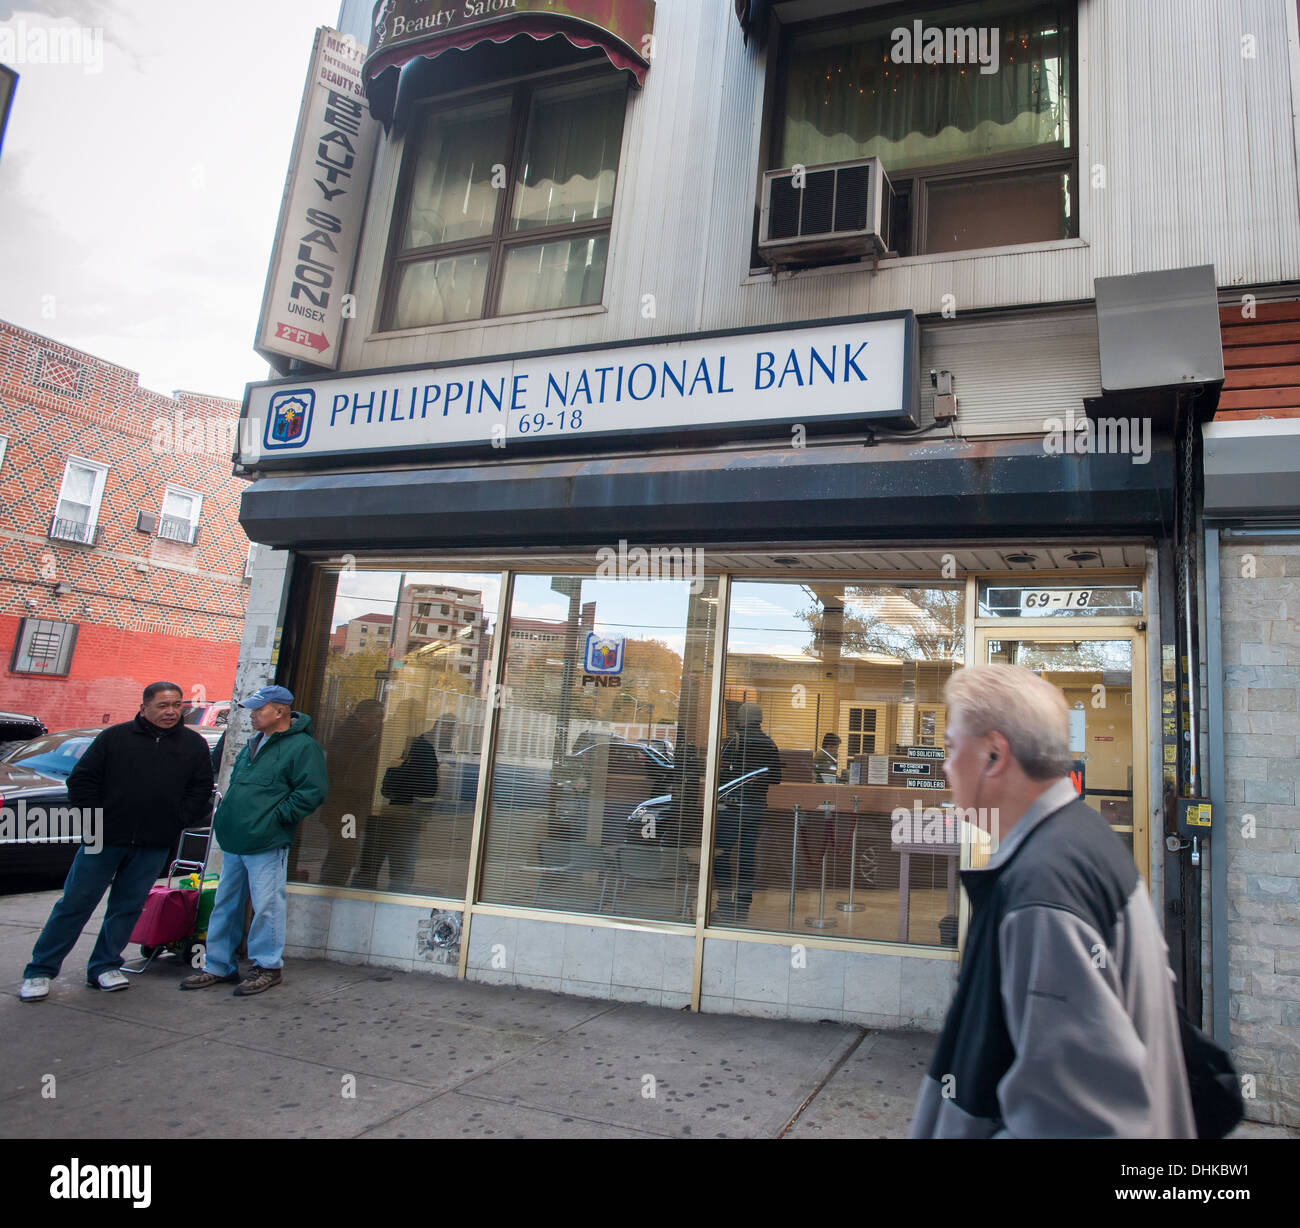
[(262, 877), (131, 870)]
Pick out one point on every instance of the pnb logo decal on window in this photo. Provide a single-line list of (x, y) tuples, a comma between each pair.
[(604, 655), (289, 419)]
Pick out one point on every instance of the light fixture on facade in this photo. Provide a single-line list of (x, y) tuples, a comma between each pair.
[(1022, 558), (62, 588)]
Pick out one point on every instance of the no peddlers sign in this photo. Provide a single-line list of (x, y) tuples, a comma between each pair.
[(323, 208)]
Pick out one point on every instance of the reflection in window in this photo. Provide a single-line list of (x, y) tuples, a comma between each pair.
[(400, 710), (1096, 677), (833, 698), (507, 205), (595, 803)]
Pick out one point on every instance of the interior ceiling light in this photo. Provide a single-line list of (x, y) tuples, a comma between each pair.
[(1022, 558)]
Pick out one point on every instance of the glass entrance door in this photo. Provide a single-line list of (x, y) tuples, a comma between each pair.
[(1102, 673)]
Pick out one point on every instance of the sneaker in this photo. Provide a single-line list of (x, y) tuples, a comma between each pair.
[(35, 988), (258, 980), (110, 981), (201, 980)]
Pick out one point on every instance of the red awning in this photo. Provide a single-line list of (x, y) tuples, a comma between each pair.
[(405, 30)]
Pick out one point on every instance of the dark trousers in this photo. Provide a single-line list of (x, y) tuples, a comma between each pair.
[(126, 872), (390, 836), (732, 831)]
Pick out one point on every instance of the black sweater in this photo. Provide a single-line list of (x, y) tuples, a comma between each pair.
[(151, 782)]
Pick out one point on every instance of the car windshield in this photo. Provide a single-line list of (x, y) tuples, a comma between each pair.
[(55, 755)]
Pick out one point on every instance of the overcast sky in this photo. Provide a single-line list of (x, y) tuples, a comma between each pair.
[(140, 187)]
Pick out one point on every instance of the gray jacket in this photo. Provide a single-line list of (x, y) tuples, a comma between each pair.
[(1063, 1024)]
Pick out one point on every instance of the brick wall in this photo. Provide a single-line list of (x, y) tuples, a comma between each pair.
[(145, 607), (1261, 656), (109, 670)]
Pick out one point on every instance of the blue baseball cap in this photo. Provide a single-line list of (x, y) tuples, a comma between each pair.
[(267, 695)]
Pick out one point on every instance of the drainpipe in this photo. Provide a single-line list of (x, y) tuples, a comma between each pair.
[(1218, 846)]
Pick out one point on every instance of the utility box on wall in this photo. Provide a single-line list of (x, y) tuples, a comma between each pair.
[(1159, 330)]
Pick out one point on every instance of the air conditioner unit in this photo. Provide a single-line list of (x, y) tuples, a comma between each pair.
[(820, 214)]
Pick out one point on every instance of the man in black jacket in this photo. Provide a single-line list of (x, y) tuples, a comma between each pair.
[(748, 752), (393, 835), (137, 786)]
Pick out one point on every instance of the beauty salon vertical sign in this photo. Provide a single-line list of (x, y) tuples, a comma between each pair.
[(309, 279)]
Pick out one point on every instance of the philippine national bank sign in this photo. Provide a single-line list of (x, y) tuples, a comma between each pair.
[(828, 374)]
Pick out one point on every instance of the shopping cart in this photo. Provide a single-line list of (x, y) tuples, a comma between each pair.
[(175, 919)]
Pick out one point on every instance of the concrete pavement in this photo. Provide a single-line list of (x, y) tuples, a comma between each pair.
[(343, 1051)]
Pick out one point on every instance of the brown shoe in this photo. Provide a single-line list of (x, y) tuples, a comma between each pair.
[(258, 980), (201, 980)]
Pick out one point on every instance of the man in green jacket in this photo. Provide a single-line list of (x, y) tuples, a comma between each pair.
[(278, 779)]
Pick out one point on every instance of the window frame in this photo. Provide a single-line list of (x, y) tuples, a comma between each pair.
[(194, 522), (100, 471), (67, 647), (914, 182), (502, 239)]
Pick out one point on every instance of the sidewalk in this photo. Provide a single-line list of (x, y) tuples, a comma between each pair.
[(427, 1057)]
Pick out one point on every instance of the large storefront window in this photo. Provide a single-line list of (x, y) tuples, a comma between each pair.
[(595, 804), (833, 720), (396, 691)]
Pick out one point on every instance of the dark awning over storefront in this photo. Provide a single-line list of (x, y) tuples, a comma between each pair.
[(894, 491), (406, 30)]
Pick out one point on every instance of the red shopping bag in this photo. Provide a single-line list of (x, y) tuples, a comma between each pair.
[(168, 916)]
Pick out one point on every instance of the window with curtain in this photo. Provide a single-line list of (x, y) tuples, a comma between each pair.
[(506, 205), (978, 159), (77, 511), (180, 515)]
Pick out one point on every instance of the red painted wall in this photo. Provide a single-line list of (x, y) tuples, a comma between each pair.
[(110, 667)]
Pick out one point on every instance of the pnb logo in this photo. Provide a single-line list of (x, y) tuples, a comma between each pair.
[(604, 655), (289, 419)]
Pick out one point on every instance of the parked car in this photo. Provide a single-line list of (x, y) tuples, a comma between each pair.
[(18, 727), (36, 773), (214, 714), (623, 772), (661, 810), (661, 745)]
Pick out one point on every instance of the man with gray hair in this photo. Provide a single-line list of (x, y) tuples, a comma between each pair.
[(1063, 1024)]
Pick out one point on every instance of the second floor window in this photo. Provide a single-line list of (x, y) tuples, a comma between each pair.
[(977, 158), (180, 515), (77, 512), (505, 205)]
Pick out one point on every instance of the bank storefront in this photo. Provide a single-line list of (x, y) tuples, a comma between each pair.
[(649, 705)]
